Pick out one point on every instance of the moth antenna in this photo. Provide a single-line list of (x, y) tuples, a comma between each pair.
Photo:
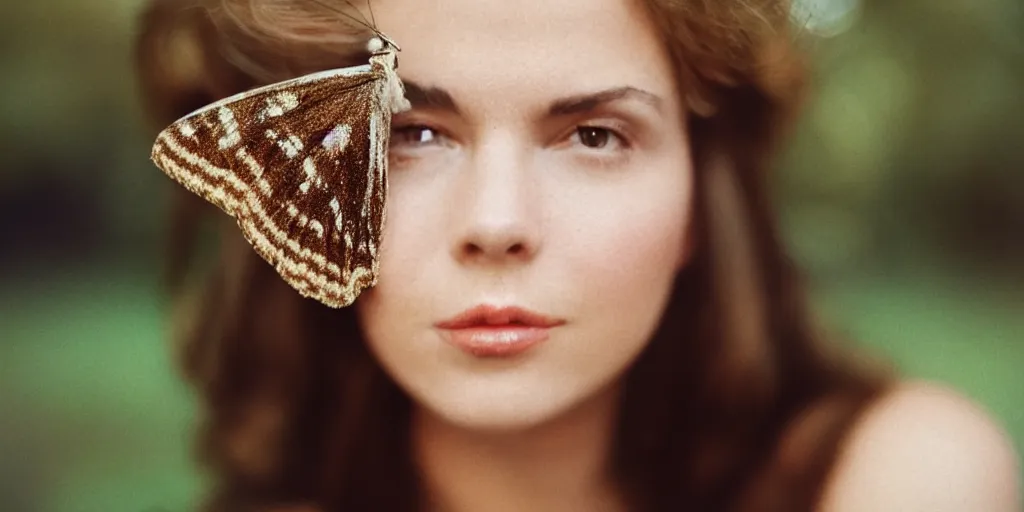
[(368, 25), (336, 10), (369, 7)]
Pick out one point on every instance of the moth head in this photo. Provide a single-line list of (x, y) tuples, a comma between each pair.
[(381, 43), (375, 45)]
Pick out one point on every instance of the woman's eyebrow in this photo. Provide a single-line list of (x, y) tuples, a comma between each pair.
[(436, 98), (587, 102), (429, 97)]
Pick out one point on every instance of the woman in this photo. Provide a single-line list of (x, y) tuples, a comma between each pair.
[(596, 169)]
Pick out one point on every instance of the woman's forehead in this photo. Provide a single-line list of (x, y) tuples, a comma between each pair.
[(526, 47)]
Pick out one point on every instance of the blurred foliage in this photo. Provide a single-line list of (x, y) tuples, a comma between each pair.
[(902, 193)]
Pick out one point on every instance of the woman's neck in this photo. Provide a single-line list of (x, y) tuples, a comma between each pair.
[(561, 465)]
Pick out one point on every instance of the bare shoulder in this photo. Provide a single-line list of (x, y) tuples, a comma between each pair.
[(924, 447)]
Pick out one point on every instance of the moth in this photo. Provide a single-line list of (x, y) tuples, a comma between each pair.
[(302, 167)]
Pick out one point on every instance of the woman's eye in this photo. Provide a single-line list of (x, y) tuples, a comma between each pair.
[(596, 137), (414, 135)]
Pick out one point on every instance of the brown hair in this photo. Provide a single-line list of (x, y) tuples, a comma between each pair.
[(738, 403)]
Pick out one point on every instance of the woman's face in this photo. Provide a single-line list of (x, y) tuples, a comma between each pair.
[(543, 166)]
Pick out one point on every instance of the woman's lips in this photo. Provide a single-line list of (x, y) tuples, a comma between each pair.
[(492, 331), (496, 340)]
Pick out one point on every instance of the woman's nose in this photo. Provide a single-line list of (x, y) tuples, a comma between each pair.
[(497, 208)]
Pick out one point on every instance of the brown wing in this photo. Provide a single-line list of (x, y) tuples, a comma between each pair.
[(301, 165)]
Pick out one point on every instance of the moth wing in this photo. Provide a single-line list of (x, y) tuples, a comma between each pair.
[(302, 167)]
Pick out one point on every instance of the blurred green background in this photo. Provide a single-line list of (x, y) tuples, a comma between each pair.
[(902, 194)]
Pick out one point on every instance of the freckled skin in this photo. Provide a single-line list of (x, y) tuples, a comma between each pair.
[(504, 204)]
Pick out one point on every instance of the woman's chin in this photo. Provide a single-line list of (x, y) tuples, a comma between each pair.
[(508, 406), (514, 410)]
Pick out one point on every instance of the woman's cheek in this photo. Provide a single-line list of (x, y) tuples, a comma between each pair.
[(632, 242)]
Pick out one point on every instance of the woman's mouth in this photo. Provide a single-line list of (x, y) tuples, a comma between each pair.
[(495, 331)]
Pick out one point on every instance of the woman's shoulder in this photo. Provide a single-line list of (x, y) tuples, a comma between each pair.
[(924, 447)]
